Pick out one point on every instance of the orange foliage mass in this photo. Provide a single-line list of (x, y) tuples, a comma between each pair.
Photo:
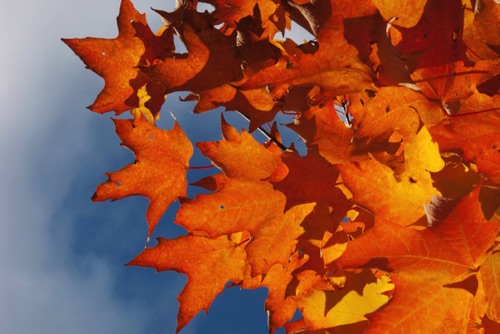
[(389, 223)]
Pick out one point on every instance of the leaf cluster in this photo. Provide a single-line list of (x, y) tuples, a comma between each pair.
[(389, 223)]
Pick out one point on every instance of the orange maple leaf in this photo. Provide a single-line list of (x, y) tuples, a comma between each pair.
[(159, 173), (474, 136), (406, 12), (280, 306), (481, 29), (431, 268), (237, 154), (490, 272), (339, 74), (323, 131), (209, 264), (116, 60), (399, 199)]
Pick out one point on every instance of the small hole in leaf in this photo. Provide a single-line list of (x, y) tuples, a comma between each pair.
[(152, 137), (103, 52), (221, 206), (118, 184), (412, 180)]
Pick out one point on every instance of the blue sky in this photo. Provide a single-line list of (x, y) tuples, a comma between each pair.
[(61, 268)]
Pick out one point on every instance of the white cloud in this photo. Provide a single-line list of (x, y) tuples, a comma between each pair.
[(44, 135)]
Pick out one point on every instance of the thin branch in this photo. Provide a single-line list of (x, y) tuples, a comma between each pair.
[(200, 167), (267, 134)]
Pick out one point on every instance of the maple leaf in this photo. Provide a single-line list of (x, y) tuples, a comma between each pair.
[(116, 60), (490, 271), (329, 309), (481, 29), (258, 105), (323, 131), (437, 36), (281, 307), (201, 260), (159, 172), (338, 75), (247, 205), (241, 204), (275, 240), (453, 82), (375, 187), (427, 267), (407, 12), (392, 109), (229, 13), (474, 136), (236, 154), (200, 69), (373, 38), (319, 183)]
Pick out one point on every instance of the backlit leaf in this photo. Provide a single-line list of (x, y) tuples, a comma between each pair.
[(364, 194), (201, 261), (159, 172)]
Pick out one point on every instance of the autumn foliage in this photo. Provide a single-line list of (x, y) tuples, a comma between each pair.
[(389, 223)]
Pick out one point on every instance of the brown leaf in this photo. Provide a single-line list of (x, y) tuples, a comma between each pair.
[(230, 12), (201, 68), (437, 36), (318, 177)]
